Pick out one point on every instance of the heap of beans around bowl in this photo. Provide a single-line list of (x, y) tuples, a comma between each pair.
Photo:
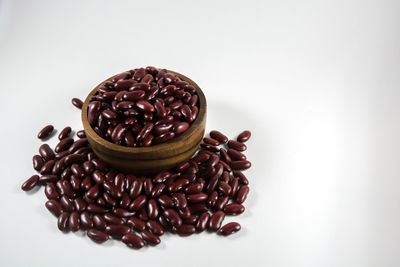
[(142, 107), (86, 194)]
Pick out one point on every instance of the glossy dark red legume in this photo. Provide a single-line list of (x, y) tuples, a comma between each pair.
[(97, 236), (45, 132), (150, 238), (244, 136), (133, 240), (229, 228), (220, 137), (237, 145), (62, 221), (30, 183), (77, 102), (234, 209), (64, 133), (216, 220)]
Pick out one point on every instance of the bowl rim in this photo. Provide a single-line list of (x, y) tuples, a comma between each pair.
[(177, 141)]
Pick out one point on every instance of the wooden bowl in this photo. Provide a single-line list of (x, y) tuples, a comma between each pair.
[(155, 158)]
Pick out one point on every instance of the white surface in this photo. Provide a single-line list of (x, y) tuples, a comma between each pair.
[(317, 82)]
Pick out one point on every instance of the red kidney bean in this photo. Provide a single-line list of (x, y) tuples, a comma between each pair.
[(93, 208), (133, 240), (138, 203), (244, 136), (235, 186), (97, 176), (145, 131), (97, 236), (234, 209), (150, 238), (117, 231), (112, 189), (180, 127), (213, 161), (37, 162), (94, 192), (81, 134), (221, 202), (99, 222), (48, 178), (197, 198), (243, 179), (157, 190), (155, 227), (54, 207), (202, 222), (67, 204), (86, 183), (165, 201), (164, 137), (152, 209), (216, 220), (236, 145), (224, 188), (185, 230), (30, 183), (64, 144), (242, 194), (46, 152), (194, 189), (80, 204), (112, 220), (123, 85), (145, 106), (68, 190), (173, 217), (64, 133), (229, 228), (209, 147), (211, 141), (47, 167), (219, 136), (86, 221), (78, 144), (136, 188), (74, 221), (77, 102), (136, 223), (51, 192), (198, 208), (212, 199), (178, 185), (225, 165), (45, 132), (190, 220), (179, 200), (77, 170), (240, 165), (73, 158), (93, 112), (62, 221)]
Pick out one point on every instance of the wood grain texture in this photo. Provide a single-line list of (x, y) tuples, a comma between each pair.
[(152, 159)]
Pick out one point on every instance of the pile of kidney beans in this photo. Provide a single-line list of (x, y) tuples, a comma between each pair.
[(84, 193), (142, 107)]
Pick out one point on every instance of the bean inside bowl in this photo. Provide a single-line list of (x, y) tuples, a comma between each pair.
[(155, 132)]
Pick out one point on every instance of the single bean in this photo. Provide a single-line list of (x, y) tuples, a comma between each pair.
[(97, 236), (30, 183), (77, 102), (216, 220), (133, 240), (45, 132), (220, 137)]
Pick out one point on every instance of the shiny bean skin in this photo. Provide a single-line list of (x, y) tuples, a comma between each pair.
[(77, 102), (237, 145), (229, 228), (152, 209), (216, 220), (244, 136), (165, 201), (81, 134), (224, 188), (202, 222), (62, 221), (194, 189), (185, 230), (64, 133), (242, 194), (98, 177), (112, 220), (37, 162), (74, 221), (80, 204), (97, 236), (234, 209), (48, 178), (221, 203), (45, 132), (51, 191), (164, 137), (30, 183), (46, 152), (212, 199), (150, 238), (240, 165), (47, 167), (99, 222), (155, 227), (117, 231), (180, 127), (173, 217), (234, 186), (93, 208), (145, 106), (133, 240), (54, 207), (64, 144), (220, 137), (86, 221), (157, 190), (197, 198), (136, 223), (138, 203), (93, 112), (179, 200), (211, 141)]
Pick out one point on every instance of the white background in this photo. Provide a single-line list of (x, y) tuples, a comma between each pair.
[(317, 82)]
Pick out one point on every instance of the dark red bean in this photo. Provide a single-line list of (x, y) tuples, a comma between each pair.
[(229, 228), (117, 231), (97, 236), (224, 188), (133, 240), (45, 132), (234, 209), (136, 223), (145, 106), (81, 134), (212, 199), (213, 161), (86, 221), (155, 227), (62, 221), (50, 191), (94, 192), (100, 165), (47, 167), (112, 189), (173, 217), (145, 131), (93, 208), (123, 84), (240, 165), (136, 188), (165, 201), (243, 179), (219, 136), (242, 194), (64, 144), (197, 198), (157, 190), (37, 162), (73, 158), (78, 144), (216, 220), (138, 203), (46, 152), (74, 222), (244, 136), (180, 127), (98, 177), (109, 114), (185, 230), (202, 222), (99, 222), (178, 185), (77, 102), (152, 209), (150, 238), (179, 200), (93, 112), (54, 207), (64, 133), (164, 137), (112, 220), (236, 145), (210, 147), (80, 204), (211, 141), (221, 202), (30, 183), (48, 178), (194, 189), (235, 186)]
